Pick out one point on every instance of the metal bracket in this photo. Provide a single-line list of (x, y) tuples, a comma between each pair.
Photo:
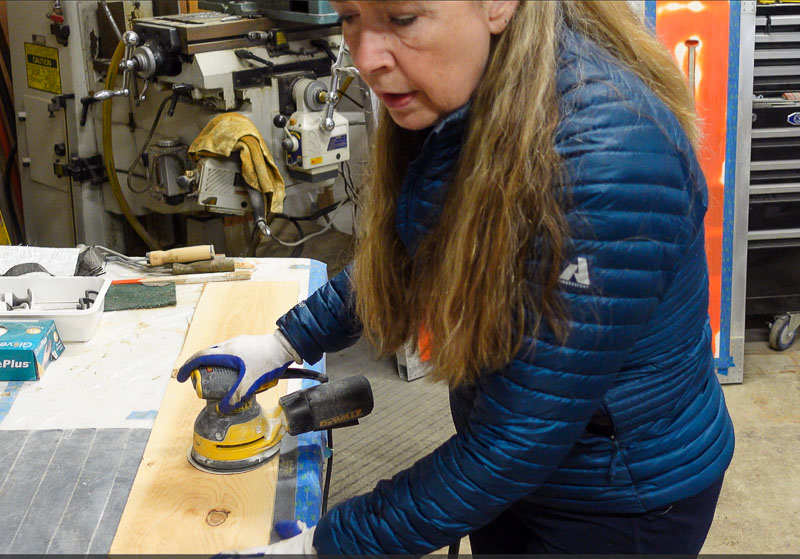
[(82, 169), (58, 103)]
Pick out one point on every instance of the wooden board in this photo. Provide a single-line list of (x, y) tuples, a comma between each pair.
[(174, 508)]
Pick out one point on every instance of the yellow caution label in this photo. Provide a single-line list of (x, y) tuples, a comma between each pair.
[(5, 239), (316, 160), (43, 69), (280, 38)]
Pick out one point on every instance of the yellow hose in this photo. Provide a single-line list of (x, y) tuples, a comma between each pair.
[(343, 88), (108, 153)]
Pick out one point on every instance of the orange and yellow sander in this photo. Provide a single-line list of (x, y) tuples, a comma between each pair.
[(226, 443)]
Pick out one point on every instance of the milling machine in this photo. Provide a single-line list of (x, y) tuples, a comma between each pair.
[(140, 106)]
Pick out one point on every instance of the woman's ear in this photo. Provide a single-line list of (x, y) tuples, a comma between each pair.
[(499, 13)]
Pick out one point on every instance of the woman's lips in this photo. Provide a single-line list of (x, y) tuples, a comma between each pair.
[(396, 100)]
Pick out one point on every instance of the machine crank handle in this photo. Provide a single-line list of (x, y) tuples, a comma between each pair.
[(327, 123), (290, 143), (85, 103), (128, 65), (177, 90), (245, 54)]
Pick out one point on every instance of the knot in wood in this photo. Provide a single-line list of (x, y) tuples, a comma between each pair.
[(216, 517)]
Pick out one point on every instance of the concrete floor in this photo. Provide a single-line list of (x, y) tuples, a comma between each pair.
[(760, 501)]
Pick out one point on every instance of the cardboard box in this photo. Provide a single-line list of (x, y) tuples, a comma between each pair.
[(26, 348)]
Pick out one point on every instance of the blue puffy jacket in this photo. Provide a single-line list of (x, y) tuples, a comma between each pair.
[(627, 416)]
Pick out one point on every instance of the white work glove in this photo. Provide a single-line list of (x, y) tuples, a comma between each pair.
[(259, 360), (301, 544)]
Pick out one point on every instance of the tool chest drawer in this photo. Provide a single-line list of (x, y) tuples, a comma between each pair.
[(776, 64), (781, 115), (775, 147), (774, 211)]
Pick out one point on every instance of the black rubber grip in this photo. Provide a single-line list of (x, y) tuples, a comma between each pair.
[(335, 404), (216, 381)]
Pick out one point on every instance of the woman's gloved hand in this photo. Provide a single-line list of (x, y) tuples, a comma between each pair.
[(300, 544), (259, 360)]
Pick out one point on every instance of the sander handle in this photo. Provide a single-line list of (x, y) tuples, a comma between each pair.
[(300, 373), (338, 403)]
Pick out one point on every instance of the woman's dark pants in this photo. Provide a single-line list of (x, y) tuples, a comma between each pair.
[(527, 528)]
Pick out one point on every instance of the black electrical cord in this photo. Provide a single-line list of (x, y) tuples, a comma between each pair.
[(8, 108), (298, 250), (310, 217), (349, 185), (347, 188), (8, 102), (353, 101), (349, 169), (138, 157), (15, 222), (327, 487)]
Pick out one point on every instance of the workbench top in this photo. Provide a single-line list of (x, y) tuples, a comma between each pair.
[(71, 443)]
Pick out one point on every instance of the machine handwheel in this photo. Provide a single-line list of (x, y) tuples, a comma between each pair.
[(781, 337)]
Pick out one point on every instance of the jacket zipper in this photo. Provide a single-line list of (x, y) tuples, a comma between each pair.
[(614, 459)]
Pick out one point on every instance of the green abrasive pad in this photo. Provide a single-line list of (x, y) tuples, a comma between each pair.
[(139, 296)]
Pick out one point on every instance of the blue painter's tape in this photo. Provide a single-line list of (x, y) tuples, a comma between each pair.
[(317, 275), (725, 360), (650, 13), (149, 414), (308, 496), (7, 397), (311, 447), (723, 364)]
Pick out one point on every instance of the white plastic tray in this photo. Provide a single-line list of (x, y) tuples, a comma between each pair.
[(73, 325)]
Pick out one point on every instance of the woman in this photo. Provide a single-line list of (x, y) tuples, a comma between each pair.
[(536, 207)]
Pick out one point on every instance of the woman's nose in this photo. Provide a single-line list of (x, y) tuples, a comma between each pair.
[(371, 52)]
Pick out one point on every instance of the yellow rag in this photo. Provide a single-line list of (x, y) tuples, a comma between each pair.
[(231, 132)]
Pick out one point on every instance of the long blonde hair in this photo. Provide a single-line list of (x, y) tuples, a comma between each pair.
[(502, 224)]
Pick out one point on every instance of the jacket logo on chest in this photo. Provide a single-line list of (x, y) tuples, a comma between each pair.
[(576, 275)]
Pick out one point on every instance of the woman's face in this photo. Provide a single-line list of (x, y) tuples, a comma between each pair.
[(423, 59)]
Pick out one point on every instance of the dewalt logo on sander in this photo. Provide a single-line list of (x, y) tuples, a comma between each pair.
[(339, 419)]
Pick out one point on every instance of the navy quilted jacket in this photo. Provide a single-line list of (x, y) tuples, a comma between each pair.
[(627, 415)]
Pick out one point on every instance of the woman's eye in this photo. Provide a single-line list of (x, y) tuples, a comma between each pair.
[(404, 20), (346, 19)]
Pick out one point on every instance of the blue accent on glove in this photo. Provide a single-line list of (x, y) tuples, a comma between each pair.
[(219, 360), (232, 362), (225, 404), (287, 528)]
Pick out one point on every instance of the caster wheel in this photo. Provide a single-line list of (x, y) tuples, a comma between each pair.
[(780, 336)]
